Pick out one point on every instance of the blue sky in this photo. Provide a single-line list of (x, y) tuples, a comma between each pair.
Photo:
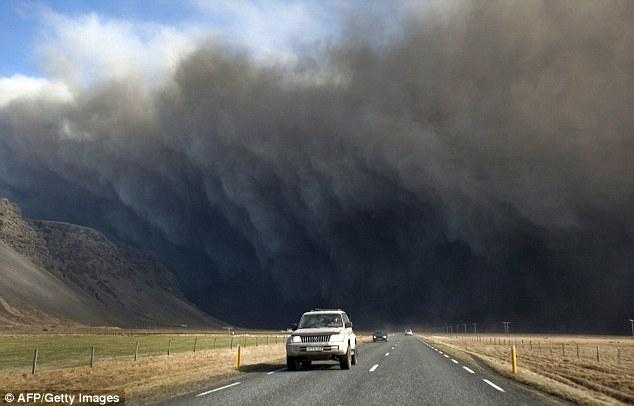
[(267, 26)]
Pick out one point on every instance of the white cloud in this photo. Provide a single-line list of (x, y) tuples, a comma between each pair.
[(272, 29), (83, 49), (24, 87)]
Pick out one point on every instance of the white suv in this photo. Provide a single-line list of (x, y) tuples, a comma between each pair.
[(322, 335)]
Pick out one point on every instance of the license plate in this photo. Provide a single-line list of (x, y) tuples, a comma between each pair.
[(314, 348)]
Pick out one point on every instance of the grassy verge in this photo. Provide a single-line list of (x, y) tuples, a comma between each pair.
[(152, 378), (565, 366)]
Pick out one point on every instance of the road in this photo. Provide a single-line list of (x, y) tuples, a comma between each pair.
[(403, 371)]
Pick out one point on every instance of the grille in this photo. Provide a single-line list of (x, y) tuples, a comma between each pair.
[(315, 339)]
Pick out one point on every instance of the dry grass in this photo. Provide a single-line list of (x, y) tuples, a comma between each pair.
[(566, 366), (150, 379)]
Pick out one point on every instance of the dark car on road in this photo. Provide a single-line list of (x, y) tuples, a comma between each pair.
[(379, 336)]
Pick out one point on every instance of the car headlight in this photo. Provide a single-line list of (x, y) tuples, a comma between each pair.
[(337, 337), (296, 339)]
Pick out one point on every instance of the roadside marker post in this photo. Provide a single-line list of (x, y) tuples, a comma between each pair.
[(238, 358), (92, 356), (136, 351), (169, 347), (34, 367), (195, 342), (514, 359)]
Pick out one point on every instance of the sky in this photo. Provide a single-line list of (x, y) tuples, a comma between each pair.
[(413, 162)]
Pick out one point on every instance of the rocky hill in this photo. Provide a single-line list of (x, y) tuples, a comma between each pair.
[(63, 274)]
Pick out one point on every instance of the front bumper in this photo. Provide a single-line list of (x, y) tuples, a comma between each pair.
[(316, 350)]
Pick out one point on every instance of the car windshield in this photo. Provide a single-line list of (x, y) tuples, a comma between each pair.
[(321, 320)]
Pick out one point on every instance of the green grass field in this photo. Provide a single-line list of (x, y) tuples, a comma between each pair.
[(63, 351)]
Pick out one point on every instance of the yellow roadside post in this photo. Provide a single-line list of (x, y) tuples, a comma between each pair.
[(238, 358), (514, 359)]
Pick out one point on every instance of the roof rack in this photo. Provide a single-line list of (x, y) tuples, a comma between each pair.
[(317, 309)]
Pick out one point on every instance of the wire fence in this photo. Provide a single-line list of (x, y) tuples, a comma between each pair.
[(34, 353)]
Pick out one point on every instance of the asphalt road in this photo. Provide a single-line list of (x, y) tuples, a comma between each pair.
[(403, 371)]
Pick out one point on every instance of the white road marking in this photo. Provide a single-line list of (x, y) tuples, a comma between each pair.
[(454, 361), (392, 347), (387, 353), (220, 388), (445, 355), (440, 352), (277, 370), (468, 370), (493, 385), (374, 367)]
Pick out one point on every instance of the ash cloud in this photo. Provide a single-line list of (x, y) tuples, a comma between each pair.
[(472, 165)]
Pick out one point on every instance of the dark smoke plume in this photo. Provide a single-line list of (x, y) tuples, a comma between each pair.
[(475, 164)]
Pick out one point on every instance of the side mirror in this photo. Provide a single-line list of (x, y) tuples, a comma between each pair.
[(294, 326)]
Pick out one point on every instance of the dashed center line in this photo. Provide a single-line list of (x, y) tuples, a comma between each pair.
[(374, 367), (441, 352), (387, 353), (454, 361), (493, 385), (468, 370), (277, 370), (445, 355), (218, 389)]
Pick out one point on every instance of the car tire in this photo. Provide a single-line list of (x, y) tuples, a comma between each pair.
[(291, 363), (354, 357), (306, 364), (345, 362)]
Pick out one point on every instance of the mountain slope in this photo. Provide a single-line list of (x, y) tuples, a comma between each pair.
[(59, 273)]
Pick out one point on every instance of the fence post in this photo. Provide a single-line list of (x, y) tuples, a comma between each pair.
[(267, 340), (514, 359), (563, 350), (231, 345), (238, 358), (34, 367), (92, 356), (256, 341), (169, 347), (136, 351), (195, 342), (214, 347), (530, 344), (618, 355), (577, 350), (598, 354)]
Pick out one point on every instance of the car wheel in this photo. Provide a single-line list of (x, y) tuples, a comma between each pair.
[(306, 364), (291, 363), (345, 362), (354, 357)]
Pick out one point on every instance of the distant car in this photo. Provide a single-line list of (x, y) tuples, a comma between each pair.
[(322, 335), (408, 332), (379, 336)]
